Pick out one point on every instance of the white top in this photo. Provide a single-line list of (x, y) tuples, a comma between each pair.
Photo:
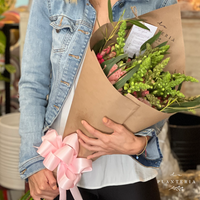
[(110, 169)]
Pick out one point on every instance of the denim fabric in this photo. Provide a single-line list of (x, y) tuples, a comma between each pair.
[(56, 40)]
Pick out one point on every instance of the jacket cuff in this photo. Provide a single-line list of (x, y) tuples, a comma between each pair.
[(152, 157), (31, 166)]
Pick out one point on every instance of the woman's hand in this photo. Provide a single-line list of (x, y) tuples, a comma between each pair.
[(121, 141), (43, 185)]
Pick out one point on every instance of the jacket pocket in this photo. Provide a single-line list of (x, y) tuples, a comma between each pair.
[(63, 30)]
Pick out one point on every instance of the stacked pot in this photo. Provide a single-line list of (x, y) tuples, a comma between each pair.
[(185, 139), (9, 152)]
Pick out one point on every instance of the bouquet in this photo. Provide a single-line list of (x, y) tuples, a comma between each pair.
[(147, 86), (144, 77)]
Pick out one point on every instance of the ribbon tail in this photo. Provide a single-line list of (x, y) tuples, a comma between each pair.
[(63, 195), (75, 193)]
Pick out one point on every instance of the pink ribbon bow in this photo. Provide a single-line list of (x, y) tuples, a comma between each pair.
[(64, 155)]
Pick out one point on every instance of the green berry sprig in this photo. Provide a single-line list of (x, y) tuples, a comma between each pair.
[(119, 47)]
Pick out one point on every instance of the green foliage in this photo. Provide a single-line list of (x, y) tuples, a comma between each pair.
[(187, 105), (112, 62), (10, 68), (137, 23), (98, 46), (151, 40), (144, 75), (162, 44), (2, 42), (26, 196), (110, 15), (1, 17), (103, 43), (125, 78), (5, 5), (119, 46), (154, 101)]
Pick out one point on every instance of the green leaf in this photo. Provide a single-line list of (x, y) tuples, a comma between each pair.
[(122, 15), (106, 62), (110, 11), (2, 17), (127, 28), (162, 44), (2, 78), (104, 35), (10, 68), (192, 103), (180, 86), (2, 42), (137, 23), (98, 46), (150, 41), (26, 196), (126, 77), (114, 61), (179, 109)]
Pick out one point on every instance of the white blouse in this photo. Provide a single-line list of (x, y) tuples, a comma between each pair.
[(107, 170)]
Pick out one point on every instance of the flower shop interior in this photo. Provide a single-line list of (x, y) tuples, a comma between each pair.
[(179, 174)]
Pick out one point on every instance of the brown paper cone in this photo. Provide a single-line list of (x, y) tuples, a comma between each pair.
[(95, 97)]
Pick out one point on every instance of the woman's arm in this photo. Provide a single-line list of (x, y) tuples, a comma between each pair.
[(34, 86), (33, 89), (121, 141)]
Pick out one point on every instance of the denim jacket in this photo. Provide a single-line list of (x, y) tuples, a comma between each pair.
[(56, 40)]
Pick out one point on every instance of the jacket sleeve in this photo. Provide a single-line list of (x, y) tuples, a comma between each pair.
[(153, 156), (167, 3), (34, 86)]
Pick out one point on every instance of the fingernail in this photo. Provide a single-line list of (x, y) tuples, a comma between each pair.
[(82, 122), (55, 187), (105, 120)]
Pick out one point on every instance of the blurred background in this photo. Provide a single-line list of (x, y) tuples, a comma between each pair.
[(179, 139)]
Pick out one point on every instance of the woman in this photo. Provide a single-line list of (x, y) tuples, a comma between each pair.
[(57, 37)]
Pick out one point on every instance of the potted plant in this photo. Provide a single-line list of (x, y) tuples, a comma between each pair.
[(4, 6)]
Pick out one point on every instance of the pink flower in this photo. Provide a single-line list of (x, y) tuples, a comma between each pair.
[(144, 93), (99, 57), (135, 94), (115, 76), (101, 61), (129, 60), (112, 54), (108, 49)]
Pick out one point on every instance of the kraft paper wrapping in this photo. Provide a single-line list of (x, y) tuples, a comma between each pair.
[(95, 97)]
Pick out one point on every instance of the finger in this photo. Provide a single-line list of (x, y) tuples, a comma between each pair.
[(89, 147), (37, 194), (86, 139), (96, 155), (43, 188), (35, 198), (49, 197), (51, 179), (112, 125), (93, 131)]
